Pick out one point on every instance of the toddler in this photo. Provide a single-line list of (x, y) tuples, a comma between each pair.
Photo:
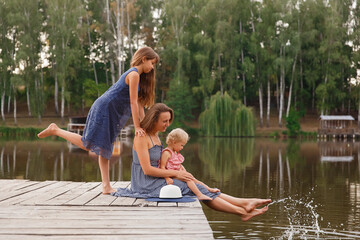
[(172, 159)]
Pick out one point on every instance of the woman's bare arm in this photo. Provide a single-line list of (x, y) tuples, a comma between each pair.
[(142, 150)]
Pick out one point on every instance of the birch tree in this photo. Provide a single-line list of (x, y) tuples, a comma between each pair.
[(256, 46), (63, 20), (26, 17), (179, 95), (331, 50), (90, 44), (5, 55), (355, 37)]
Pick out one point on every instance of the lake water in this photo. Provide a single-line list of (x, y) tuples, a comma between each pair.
[(315, 186)]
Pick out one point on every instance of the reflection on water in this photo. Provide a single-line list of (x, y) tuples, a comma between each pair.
[(313, 198), (314, 185), (337, 151), (56, 160), (226, 156)]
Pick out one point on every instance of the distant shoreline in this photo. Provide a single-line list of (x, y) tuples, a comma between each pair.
[(309, 124)]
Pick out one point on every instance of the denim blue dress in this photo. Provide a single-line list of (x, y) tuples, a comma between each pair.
[(107, 116), (143, 186)]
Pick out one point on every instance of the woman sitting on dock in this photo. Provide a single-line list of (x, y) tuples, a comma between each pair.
[(147, 179)]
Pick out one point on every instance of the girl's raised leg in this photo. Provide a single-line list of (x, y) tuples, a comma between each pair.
[(105, 178), (74, 138), (249, 204), (220, 204), (54, 130)]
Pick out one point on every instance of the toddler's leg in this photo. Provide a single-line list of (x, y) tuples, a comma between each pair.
[(213, 190), (197, 192)]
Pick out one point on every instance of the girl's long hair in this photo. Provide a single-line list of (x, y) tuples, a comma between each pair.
[(147, 80), (152, 116)]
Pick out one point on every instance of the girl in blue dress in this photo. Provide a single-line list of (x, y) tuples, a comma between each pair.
[(147, 178), (107, 116)]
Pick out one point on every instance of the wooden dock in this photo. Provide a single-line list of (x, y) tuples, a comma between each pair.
[(78, 210)]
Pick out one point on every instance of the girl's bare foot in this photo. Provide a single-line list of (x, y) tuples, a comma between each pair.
[(49, 131), (255, 212), (203, 197), (108, 190), (214, 190), (256, 202)]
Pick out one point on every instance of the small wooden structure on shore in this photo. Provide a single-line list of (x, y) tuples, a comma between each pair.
[(77, 210), (337, 126), (77, 125)]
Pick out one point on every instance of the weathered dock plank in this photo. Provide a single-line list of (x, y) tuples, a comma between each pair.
[(12, 184), (78, 210), (104, 237), (26, 193), (106, 200), (72, 194)]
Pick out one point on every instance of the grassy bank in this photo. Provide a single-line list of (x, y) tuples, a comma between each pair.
[(19, 132), (29, 126)]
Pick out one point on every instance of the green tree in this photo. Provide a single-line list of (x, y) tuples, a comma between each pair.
[(6, 53), (179, 96), (292, 123), (63, 22), (330, 91), (26, 18), (226, 117)]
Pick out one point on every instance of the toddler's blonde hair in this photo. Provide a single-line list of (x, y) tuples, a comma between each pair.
[(177, 135)]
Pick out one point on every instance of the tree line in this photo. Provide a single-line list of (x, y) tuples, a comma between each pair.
[(274, 55)]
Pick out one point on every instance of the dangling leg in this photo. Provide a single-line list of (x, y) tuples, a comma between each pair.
[(54, 130), (105, 178), (196, 191), (220, 204), (249, 204)]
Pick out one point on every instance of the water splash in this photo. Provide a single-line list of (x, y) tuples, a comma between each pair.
[(302, 216)]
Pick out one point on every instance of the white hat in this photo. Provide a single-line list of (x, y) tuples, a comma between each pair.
[(170, 191)]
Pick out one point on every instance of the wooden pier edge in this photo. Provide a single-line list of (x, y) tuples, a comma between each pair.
[(78, 210)]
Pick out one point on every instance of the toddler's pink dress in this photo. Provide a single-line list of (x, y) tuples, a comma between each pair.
[(174, 162)]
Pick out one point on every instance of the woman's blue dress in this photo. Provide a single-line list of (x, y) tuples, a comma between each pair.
[(143, 186), (107, 116)]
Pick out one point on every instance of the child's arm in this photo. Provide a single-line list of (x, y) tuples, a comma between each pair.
[(163, 160), (134, 79)]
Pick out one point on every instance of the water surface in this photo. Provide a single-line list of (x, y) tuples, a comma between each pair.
[(315, 186)]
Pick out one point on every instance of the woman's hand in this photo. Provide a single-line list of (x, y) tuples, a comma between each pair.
[(184, 176), (139, 132)]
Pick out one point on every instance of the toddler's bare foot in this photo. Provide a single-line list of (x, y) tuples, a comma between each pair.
[(255, 212), (214, 190), (49, 131), (203, 197), (256, 202), (108, 190)]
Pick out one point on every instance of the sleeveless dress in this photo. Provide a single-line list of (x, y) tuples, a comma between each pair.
[(107, 116), (143, 186), (175, 160)]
